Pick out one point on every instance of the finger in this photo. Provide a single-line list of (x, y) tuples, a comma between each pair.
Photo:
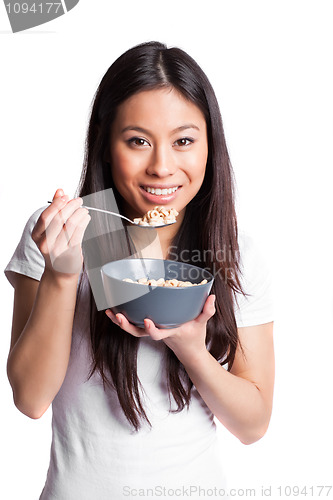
[(65, 212), (47, 215), (156, 333), (69, 228), (56, 224), (77, 237), (122, 321), (208, 310), (58, 193)]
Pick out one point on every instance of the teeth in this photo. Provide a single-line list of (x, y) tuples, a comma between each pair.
[(159, 191)]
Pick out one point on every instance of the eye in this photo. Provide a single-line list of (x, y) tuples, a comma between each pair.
[(138, 141), (184, 141)]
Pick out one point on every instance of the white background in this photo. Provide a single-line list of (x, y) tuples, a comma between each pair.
[(270, 63)]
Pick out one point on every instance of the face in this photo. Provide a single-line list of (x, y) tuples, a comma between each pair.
[(158, 151)]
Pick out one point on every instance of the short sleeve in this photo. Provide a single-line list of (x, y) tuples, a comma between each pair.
[(257, 306), (27, 259)]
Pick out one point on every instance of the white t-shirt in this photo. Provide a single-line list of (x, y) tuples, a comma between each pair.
[(94, 451)]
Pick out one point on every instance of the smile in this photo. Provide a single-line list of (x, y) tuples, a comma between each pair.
[(159, 191)]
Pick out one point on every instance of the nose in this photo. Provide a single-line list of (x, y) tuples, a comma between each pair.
[(162, 163)]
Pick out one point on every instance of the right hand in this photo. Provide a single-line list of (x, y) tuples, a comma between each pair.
[(58, 234)]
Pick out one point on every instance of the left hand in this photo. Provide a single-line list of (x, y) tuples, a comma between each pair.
[(187, 340)]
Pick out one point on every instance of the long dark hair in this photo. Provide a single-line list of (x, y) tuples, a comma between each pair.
[(209, 227)]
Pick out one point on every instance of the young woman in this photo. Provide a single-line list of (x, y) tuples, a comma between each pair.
[(134, 408)]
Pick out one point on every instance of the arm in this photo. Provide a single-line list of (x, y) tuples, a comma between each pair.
[(43, 311), (41, 340), (240, 399)]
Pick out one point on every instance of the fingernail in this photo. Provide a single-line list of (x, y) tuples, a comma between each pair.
[(64, 198), (57, 194), (117, 320)]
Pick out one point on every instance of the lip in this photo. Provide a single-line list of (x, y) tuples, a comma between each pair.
[(161, 186), (159, 199)]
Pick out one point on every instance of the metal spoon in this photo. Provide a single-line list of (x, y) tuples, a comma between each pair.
[(123, 217)]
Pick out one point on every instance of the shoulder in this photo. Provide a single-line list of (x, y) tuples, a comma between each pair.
[(253, 262), (248, 249), (27, 259), (256, 306)]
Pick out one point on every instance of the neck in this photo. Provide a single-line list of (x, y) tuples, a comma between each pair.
[(167, 234), (155, 243)]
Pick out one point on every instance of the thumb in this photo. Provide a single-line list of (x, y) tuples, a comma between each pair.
[(58, 193), (208, 310)]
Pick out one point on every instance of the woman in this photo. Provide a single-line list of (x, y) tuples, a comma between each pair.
[(133, 408)]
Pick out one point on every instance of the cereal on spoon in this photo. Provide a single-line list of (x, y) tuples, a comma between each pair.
[(158, 216)]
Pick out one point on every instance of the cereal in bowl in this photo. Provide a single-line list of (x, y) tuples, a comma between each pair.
[(174, 283)]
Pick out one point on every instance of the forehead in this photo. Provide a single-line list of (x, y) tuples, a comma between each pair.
[(159, 107)]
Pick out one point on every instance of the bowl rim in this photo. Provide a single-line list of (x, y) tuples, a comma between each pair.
[(153, 259)]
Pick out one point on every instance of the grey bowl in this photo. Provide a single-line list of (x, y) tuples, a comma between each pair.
[(167, 307)]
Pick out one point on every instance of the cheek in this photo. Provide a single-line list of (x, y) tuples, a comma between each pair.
[(124, 164), (197, 168), (120, 166)]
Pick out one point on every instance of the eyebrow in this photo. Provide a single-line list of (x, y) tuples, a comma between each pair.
[(144, 131)]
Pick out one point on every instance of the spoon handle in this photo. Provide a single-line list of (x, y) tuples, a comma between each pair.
[(106, 212), (123, 217)]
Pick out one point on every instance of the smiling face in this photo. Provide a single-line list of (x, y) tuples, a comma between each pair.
[(158, 151)]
